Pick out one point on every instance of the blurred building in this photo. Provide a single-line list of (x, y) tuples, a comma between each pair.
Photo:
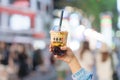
[(24, 20)]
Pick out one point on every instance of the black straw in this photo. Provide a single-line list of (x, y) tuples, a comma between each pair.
[(61, 17)]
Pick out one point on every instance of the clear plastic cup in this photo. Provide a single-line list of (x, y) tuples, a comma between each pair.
[(57, 40)]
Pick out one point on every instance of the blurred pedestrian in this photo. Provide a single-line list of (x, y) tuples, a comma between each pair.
[(86, 56), (12, 68), (4, 54), (103, 63), (37, 59), (22, 60)]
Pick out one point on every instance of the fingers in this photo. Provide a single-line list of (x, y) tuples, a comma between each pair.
[(63, 48), (50, 48), (58, 57)]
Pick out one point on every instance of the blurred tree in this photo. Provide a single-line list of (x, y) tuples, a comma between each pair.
[(92, 7)]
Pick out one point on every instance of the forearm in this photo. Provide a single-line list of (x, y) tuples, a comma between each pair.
[(79, 73), (74, 65)]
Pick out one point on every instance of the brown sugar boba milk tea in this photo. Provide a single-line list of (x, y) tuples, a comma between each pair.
[(58, 39)]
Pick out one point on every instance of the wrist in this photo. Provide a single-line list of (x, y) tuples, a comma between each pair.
[(74, 65), (72, 60)]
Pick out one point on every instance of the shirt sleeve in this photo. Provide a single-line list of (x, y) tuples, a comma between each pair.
[(82, 75)]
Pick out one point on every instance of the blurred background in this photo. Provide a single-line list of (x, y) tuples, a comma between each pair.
[(94, 36)]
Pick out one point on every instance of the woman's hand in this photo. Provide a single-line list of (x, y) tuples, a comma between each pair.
[(69, 58), (68, 55)]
